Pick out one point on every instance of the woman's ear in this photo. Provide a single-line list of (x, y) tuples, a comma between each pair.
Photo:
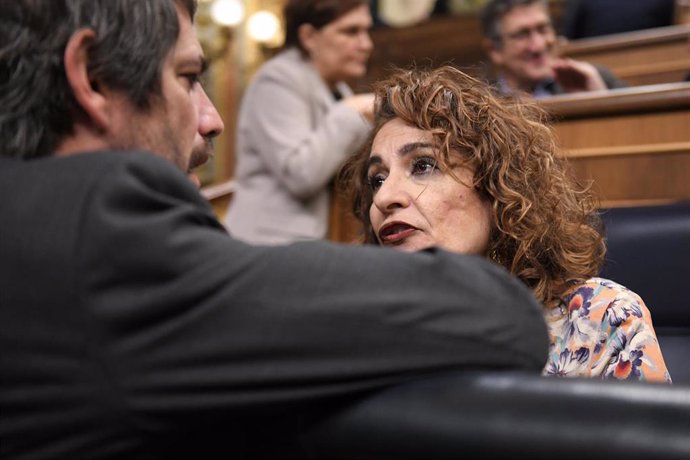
[(306, 33), (85, 91)]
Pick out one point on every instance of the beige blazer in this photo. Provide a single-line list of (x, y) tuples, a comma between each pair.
[(292, 137)]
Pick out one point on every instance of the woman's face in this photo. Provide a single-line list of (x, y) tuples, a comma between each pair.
[(340, 50), (416, 204)]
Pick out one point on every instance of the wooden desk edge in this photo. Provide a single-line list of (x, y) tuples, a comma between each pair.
[(649, 98)]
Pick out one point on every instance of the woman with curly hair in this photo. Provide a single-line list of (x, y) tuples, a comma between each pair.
[(450, 164)]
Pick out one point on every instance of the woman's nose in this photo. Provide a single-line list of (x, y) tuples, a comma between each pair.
[(391, 195), (366, 42)]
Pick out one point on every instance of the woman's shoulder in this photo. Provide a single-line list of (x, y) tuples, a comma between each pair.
[(606, 288), (288, 63), (597, 286), (602, 328), (604, 298)]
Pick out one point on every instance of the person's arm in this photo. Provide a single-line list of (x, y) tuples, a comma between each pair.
[(632, 350), (197, 325), (362, 103), (302, 146), (610, 80), (575, 76)]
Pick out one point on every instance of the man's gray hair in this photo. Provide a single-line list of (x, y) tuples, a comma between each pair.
[(37, 107), (493, 12)]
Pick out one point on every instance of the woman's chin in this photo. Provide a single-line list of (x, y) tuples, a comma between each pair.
[(407, 246)]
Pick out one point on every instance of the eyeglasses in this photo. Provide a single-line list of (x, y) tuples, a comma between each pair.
[(524, 34)]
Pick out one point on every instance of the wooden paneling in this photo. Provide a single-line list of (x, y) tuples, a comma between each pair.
[(636, 178), (452, 40), (633, 145), (624, 130), (651, 56), (343, 226)]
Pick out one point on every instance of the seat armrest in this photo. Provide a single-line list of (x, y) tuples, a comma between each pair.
[(506, 416)]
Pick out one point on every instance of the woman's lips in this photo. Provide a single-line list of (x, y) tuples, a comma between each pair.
[(395, 233)]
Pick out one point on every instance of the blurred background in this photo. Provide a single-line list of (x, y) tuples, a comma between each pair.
[(239, 35)]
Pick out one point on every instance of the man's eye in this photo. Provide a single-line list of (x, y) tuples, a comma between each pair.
[(192, 78), (423, 166), (520, 35)]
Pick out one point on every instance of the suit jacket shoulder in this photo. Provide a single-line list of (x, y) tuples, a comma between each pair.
[(133, 326)]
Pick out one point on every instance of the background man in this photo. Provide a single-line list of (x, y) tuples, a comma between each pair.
[(131, 325), (520, 40)]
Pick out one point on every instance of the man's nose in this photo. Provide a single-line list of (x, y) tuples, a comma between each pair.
[(539, 41), (210, 122)]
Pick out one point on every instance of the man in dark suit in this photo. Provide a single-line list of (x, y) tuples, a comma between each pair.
[(131, 324), (520, 40), (593, 18)]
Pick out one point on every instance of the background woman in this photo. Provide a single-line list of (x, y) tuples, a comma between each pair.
[(298, 122), (451, 165)]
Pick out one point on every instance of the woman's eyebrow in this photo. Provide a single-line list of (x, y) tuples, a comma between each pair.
[(413, 146), (402, 151), (374, 160)]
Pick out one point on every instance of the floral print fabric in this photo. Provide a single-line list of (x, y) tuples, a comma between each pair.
[(602, 329)]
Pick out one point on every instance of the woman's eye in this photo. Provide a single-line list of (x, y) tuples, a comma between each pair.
[(423, 166), (376, 181)]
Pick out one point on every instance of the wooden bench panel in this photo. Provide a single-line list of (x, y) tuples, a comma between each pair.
[(633, 145), (644, 57)]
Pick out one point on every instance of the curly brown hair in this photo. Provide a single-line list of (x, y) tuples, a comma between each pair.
[(546, 228)]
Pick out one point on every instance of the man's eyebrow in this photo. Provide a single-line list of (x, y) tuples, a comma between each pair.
[(198, 62)]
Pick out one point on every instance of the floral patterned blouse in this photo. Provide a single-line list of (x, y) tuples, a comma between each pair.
[(602, 329)]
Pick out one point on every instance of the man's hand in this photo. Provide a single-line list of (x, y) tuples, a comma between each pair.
[(576, 76)]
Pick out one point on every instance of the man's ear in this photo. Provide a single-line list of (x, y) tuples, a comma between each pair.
[(85, 91), (306, 34), (493, 51)]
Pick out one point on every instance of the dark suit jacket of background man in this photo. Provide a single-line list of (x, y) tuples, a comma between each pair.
[(132, 326), (592, 18)]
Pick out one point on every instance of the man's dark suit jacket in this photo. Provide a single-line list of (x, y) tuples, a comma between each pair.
[(553, 88), (593, 18), (132, 326)]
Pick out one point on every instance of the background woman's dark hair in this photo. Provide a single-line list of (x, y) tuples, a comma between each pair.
[(318, 13), (132, 39), (546, 229)]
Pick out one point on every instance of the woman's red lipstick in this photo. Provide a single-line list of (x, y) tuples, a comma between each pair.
[(395, 233)]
